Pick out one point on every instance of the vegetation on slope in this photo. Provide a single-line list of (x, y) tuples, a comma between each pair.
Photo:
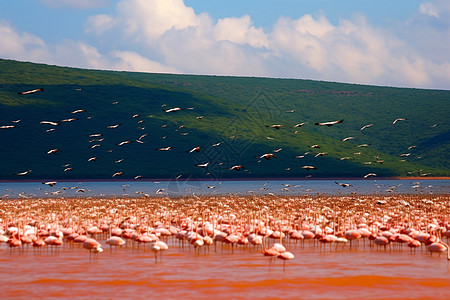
[(236, 112)]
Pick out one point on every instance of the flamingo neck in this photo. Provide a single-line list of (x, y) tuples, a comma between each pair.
[(448, 250)]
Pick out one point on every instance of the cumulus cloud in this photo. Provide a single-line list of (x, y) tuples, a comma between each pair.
[(174, 35), (168, 36), (79, 4), (16, 45), (147, 20), (240, 31)]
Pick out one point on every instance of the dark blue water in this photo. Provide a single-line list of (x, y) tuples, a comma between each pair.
[(174, 188)]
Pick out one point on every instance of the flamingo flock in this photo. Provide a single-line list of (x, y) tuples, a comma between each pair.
[(275, 226)]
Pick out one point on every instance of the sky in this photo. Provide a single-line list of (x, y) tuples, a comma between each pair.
[(402, 43)]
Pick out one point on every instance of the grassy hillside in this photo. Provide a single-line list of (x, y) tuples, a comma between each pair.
[(236, 112)]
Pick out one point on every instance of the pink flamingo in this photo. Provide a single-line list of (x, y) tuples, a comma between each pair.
[(93, 246)]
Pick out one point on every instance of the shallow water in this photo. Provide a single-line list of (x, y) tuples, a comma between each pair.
[(180, 187), (220, 272)]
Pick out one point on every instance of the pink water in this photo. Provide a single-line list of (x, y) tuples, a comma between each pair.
[(224, 273)]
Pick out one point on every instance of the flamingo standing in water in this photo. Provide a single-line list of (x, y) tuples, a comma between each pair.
[(158, 246), (93, 246), (438, 246), (115, 241)]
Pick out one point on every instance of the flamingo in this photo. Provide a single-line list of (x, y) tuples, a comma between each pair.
[(7, 126), (203, 165), (31, 91), (267, 156), (370, 175), (52, 151), (68, 120), (93, 246), (398, 119), (50, 123), (23, 173), (331, 123), (366, 126), (276, 126), (237, 168), (78, 111), (195, 149), (343, 184), (309, 168), (173, 109)]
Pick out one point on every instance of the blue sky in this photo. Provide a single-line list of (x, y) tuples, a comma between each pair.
[(403, 43)]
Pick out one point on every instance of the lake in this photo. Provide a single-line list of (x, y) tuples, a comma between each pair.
[(243, 187)]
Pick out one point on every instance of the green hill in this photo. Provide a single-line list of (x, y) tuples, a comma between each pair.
[(236, 112)]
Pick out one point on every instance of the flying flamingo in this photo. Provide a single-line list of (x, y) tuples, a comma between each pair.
[(31, 91), (331, 123)]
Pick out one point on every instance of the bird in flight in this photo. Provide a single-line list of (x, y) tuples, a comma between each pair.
[(23, 173), (52, 151), (398, 119), (50, 123), (366, 126), (267, 156), (164, 149), (113, 126), (69, 120), (343, 184), (237, 168), (78, 111), (331, 123), (321, 154), (31, 91), (195, 149), (124, 143), (7, 126), (300, 124), (117, 174), (203, 165), (172, 109), (348, 138), (50, 183), (276, 126), (309, 168), (370, 175)]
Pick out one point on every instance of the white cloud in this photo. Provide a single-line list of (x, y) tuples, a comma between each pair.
[(171, 33), (132, 61), (429, 9), (168, 36), (240, 31), (147, 20), (18, 46), (79, 4), (100, 23)]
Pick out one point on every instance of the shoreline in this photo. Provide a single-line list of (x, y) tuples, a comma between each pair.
[(223, 179)]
